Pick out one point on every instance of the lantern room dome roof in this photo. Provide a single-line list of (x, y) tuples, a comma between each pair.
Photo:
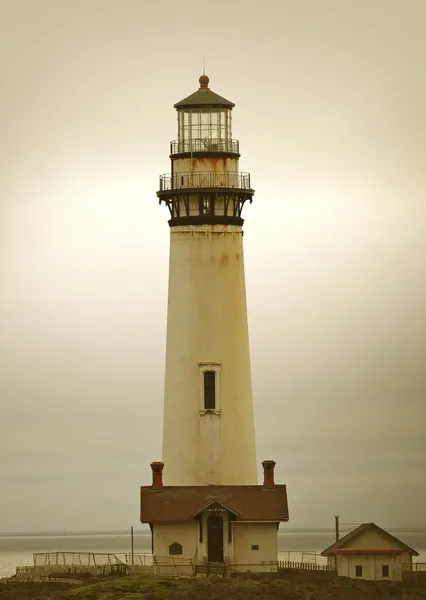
[(204, 97)]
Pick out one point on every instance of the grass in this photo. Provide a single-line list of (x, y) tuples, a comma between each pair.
[(286, 586)]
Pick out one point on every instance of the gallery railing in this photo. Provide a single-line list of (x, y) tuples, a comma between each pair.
[(205, 179), (204, 145)]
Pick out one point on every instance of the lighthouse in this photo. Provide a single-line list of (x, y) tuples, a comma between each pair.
[(204, 507), (208, 428)]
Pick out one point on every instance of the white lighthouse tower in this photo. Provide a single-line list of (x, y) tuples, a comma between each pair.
[(208, 430), (204, 505)]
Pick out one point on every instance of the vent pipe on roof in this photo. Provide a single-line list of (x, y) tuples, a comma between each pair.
[(268, 473), (157, 475), (336, 525)]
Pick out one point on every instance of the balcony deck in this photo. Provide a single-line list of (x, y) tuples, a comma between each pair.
[(205, 179)]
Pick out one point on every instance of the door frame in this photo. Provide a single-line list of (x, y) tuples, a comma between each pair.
[(209, 528)]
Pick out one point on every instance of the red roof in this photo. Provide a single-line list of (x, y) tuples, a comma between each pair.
[(369, 551), (183, 503)]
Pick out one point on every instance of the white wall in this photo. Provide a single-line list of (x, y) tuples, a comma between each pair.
[(207, 321), (371, 566), (244, 535), (165, 534), (373, 539), (238, 552)]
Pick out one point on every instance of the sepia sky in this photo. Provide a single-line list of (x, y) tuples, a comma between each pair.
[(330, 113)]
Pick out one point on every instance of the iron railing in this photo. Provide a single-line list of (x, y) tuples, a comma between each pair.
[(204, 145), (205, 179)]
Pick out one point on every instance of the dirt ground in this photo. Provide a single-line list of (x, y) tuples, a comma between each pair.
[(285, 586)]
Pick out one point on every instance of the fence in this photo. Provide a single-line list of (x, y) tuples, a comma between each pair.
[(414, 573), (310, 556), (54, 565), (71, 565), (71, 559), (415, 567), (304, 566), (139, 560)]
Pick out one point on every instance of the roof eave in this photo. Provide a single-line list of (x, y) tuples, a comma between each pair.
[(356, 532), (275, 519), (204, 99), (202, 105)]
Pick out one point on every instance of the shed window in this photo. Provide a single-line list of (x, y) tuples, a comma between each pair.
[(255, 547), (358, 571), (385, 570), (209, 390), (175, 548)]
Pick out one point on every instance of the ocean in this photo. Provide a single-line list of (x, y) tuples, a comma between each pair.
[(296, 545)]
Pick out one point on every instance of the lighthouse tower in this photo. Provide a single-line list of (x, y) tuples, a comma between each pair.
[(204, 505), (208, 429)]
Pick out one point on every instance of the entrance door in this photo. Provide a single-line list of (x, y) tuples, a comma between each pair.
[(215, 539)]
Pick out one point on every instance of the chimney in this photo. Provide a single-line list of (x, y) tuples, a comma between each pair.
[(157, 475), (268, 473)]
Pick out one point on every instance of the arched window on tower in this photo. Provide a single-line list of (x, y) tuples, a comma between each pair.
[(209, 390)]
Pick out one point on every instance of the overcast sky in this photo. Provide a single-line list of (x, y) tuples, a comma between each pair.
[(330, 113)]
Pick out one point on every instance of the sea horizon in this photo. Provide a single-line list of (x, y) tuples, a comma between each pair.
[(108, 532)]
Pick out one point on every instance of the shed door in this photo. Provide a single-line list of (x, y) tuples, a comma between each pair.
[(215, 539)]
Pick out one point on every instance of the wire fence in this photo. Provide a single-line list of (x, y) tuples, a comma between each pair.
[(70, 559), (75, 565)]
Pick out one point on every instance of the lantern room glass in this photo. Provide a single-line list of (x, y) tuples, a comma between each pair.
[(204, 124)]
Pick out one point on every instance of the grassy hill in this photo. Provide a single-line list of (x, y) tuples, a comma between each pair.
[(286, 586)]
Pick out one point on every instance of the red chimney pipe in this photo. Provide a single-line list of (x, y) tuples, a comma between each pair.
[(268, 473), (157, 475)]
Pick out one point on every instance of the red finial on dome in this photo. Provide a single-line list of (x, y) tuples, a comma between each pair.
[(204, 82)]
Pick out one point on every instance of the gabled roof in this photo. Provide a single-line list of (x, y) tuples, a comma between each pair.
[(211, 504), (338, 547), (204, 97), (184, 503)]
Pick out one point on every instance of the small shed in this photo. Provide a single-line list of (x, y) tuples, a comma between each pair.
[(369, 552)]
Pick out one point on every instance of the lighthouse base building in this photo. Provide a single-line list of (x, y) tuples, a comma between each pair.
[(209, 511), (233, 526)]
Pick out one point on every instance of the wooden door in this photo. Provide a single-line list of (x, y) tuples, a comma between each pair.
[(215, 539)]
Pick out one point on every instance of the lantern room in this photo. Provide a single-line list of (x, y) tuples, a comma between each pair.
[(205, 183), (205, 121), (204, 124)]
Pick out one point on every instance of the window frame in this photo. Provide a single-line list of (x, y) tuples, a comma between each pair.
[(209, 390), (358, 568), (203, 367), (387, 568), (196, 123)]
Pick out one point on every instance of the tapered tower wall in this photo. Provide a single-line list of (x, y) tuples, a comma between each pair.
[(207, 328)]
